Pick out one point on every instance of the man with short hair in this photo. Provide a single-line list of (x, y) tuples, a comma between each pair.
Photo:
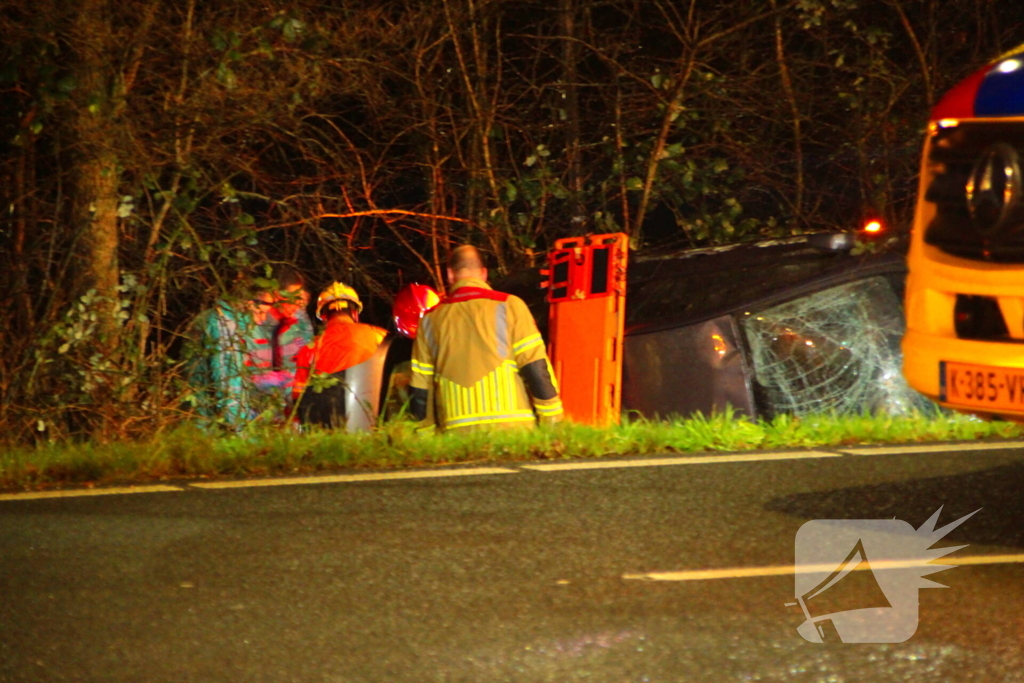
[(287, 328), (478, 359)]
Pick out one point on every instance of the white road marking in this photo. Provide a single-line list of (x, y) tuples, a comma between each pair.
[(341, 478), (546, 467), (941, 448), (698, 460), (789, 570), (75, 493)]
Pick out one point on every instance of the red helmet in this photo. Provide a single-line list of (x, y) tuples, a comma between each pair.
[(411, 302)]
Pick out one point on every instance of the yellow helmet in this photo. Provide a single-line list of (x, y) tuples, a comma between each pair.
[(335, 296)]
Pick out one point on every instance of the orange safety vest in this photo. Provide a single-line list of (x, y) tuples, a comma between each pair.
[(343, 344)]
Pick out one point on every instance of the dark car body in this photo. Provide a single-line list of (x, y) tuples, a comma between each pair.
[(767, 328)]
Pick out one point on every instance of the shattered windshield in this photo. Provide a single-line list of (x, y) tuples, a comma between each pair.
[(835, 350)]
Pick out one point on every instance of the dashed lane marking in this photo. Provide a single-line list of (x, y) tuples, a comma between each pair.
[(547, 467), (342, 478), (941, 448), (701, 460), (789, 570), (76, 493)]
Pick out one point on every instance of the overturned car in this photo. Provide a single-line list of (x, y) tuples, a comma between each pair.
[(796, 326)]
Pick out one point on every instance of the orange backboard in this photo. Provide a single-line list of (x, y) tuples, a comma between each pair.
[(587, 296)]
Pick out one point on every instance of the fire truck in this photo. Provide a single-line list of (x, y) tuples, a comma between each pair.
[(964, 345)]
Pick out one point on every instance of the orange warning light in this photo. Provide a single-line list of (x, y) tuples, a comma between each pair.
[(873, 226)]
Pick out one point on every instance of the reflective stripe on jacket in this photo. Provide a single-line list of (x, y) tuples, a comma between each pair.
[(469, 353)]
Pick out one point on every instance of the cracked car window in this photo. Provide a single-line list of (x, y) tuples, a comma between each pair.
[(835, 350)]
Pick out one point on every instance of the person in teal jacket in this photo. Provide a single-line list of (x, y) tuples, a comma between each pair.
[(245, 364), (220, 373)]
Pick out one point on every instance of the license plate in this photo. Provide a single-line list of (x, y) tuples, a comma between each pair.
[(981, 386)]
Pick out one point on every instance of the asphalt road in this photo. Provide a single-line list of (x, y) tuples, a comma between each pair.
[(516, 575)]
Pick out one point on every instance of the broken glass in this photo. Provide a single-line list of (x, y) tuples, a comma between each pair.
[(834, 350)]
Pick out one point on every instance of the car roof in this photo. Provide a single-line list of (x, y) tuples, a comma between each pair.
[(672, 288), (668, 290)]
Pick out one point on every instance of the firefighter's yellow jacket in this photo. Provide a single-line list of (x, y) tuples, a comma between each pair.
[(478, 360)]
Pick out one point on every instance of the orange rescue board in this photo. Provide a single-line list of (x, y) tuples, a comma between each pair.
[(587, 296)]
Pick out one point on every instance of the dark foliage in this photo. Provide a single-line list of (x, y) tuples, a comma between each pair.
[(151, 152)]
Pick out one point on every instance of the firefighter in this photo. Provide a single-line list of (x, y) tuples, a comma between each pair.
[(344, 343), (411, 303), (478, 359)]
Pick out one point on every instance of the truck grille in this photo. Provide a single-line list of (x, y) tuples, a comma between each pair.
[(991, 226)]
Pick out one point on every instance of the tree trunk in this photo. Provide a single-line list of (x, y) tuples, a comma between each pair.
[(23, 180), (97, 173), (572, 108), (794, 111)]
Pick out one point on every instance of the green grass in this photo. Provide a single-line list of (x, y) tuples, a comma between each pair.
[(190, 453)]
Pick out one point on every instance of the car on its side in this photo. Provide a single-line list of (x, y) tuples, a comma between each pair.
[(795, 326)]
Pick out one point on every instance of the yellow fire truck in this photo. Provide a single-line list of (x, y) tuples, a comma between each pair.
[(964, 345)]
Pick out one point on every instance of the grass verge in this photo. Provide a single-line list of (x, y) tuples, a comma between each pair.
[(191, 453)]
